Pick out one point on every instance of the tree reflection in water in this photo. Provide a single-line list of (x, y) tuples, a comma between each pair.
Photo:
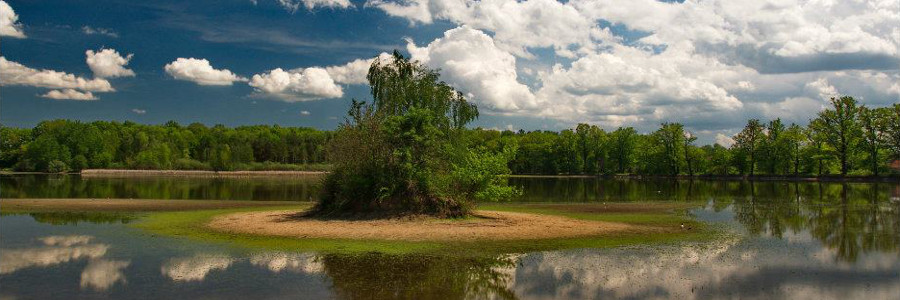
[(384, 276), (849, 218)]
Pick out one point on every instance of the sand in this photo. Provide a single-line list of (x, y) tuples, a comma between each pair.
[(485, 225)]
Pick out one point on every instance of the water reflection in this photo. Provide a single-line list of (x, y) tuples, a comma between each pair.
[(101, 274), (195, 268), (55, 250), (73, 218), (727, 269), (277, 262), (847, 218), (294, 188), (381, 276)]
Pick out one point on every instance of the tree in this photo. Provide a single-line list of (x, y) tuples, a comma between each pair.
[(622, 145), (890, 127), (840, 129), (871, 135), (748, 140), (404, 152), (671, 137), (794, 141)]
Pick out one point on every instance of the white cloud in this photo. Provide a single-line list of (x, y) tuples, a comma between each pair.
[(517, 25), (724, 140), (14, 73), (293, 5), (470, 61), (99, 31), (304, 113), (69, 94), (630, 85), (108, 63), (200, 72), (9, 25), (355, 71), (297, 85), (139, 111)]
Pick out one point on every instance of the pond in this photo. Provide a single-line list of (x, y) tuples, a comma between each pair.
[(789, 240)]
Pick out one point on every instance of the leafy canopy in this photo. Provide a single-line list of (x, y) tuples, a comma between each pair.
[(403, 153)]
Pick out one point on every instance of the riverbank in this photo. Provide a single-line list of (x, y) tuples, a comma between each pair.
[(136, 173), (132, 205)]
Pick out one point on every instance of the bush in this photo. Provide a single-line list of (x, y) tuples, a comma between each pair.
[(190, 164), (57, 166)]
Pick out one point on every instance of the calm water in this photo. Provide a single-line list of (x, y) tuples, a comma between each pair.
[(794, 240)]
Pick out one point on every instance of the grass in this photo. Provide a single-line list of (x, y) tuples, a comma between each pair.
[(663, 223)]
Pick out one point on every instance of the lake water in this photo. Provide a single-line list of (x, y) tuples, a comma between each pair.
[(793, 240)]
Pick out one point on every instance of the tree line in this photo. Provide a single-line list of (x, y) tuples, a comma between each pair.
[(844, 139), (64, 145)]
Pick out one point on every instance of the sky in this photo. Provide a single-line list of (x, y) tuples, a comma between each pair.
[(532, 65)]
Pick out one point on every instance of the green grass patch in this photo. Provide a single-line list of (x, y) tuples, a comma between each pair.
[(192, 225)]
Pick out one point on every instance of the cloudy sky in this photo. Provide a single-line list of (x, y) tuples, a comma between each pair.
[(535, 64)]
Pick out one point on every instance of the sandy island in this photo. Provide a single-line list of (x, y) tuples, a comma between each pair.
[(485, 225)]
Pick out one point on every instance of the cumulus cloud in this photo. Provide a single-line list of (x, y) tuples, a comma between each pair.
[(630, 85), (9, 25), (296, 85), (108, 63), (99, 31), (516, 25), (293, 5), (355, 71), (200, 72), (139, 111), (69, 94), (724, 140), (14, 73), (471, 62)]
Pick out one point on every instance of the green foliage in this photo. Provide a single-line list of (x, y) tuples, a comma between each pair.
[(403, 153), (102, 144)]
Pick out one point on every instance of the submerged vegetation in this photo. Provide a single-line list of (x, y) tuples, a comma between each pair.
[(404, 153)]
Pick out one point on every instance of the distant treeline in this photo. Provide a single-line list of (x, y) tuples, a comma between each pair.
[(846, 139), (63, 145)]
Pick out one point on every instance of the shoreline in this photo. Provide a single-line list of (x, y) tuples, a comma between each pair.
[(197, 173), (131, 205), (100, 173), (483, 225)]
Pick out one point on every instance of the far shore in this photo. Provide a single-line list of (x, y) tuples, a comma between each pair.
[(129, 173), (262, 173), (132, 205)]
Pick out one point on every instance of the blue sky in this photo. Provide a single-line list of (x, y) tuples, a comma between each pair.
[(536, 64)]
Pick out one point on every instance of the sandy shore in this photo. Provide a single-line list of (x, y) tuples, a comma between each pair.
[(129, 204), (132, 173), (491, 225)]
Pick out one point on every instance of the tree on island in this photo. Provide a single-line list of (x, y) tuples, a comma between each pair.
[(404, 154)]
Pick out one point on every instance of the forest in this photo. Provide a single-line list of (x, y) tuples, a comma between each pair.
[(846, 139)]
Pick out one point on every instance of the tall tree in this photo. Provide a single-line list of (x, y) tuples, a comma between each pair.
[(840, 128), (748, 140), (890, 127), (672, 139), (869, 120)]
